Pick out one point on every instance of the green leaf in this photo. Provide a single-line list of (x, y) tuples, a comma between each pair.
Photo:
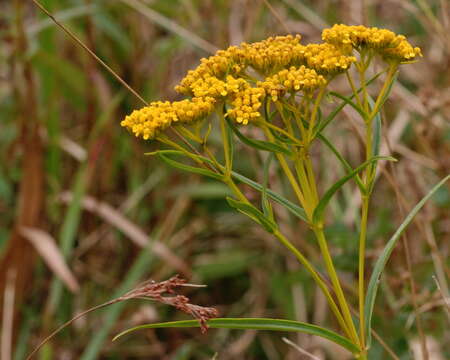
[(320, 208), (254, 324), (253, 213), (347, 167), (290, 206), (188, 168), (384, 257), (349, 102), (259, 144), (294, 209)]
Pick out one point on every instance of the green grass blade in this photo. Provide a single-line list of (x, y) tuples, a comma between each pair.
[(254, 324), (384, 257), (320, 208)]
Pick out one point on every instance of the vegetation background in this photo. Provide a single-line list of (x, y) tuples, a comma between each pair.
[(75, 186)]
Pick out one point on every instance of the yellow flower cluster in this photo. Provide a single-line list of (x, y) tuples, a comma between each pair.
[(387, 43), (218, 65), (286, 65), (246, 104), (292, 80), (402, 52), (272, 54), (150, 120), (211, 86), (327, 58)]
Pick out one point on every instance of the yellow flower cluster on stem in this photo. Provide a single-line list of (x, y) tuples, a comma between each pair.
[(285, 65), (150, 120), (292, 80), (385, 42)]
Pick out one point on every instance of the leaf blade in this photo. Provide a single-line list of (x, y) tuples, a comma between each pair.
[(290, 206), (320, 208), (259, 144), (372, 288), (255, 324), (188, 168)]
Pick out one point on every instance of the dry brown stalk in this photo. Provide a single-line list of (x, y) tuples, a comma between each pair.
[(151, 290)]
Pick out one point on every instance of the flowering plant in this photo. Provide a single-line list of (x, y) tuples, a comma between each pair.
[(278, 86)]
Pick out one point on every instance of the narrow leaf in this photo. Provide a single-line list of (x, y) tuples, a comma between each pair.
[(294, 209), (320, 208), (290, 206), (253, 213), (349, 102), (384, 257), (254, 324), (347, 167), (259, 144), (189, 168)]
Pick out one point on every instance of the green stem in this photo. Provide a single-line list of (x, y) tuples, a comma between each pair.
[(314, 113), (318, 231), (311, 178), (368, 182), (320, 283), (361, 265), (226, 146), (392, 70), (355, 91), (290, 176)]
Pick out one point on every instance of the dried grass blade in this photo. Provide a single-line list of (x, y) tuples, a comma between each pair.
[(46, 247)]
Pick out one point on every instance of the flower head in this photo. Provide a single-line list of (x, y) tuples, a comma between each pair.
[(218, 66), (246, 104), (151, 120), (292, 80), (383, 41), (272, 54), (327, 58)]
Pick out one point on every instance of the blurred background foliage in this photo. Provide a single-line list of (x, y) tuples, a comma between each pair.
[(75, 185)]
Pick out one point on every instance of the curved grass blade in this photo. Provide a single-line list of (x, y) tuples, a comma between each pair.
[(259, 144), (320, 208), (254, 324), (384, 257), (189, 168)]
